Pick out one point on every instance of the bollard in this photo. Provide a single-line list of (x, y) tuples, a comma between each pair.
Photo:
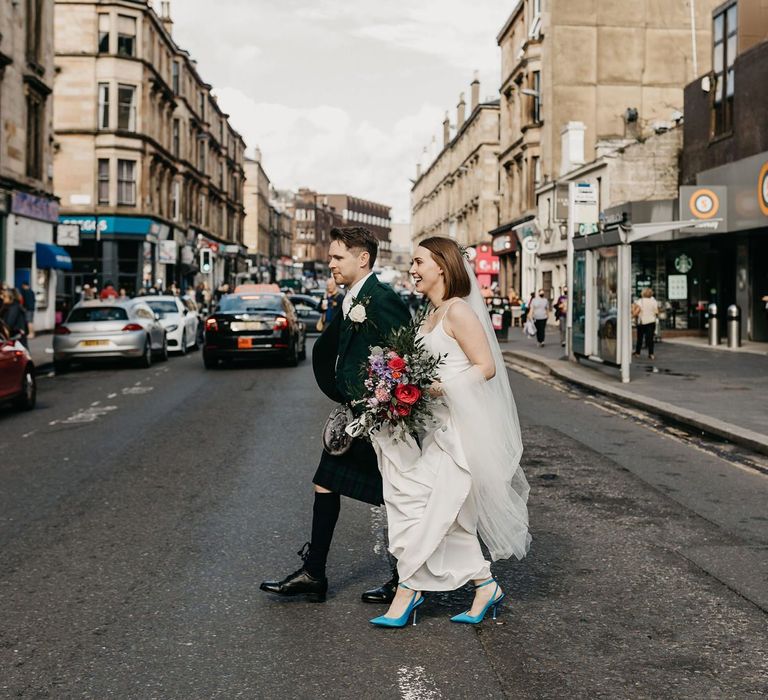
[(714, 325), (734, 326)]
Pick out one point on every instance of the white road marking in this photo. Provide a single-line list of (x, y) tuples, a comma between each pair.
[(95, 403), (414, 684), (111, 396), (137, 390), (31, 432), (88, 415)]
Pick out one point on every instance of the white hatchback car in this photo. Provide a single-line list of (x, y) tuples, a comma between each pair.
[(179, 322)]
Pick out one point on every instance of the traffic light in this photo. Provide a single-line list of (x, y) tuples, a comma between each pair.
[(205, 261)]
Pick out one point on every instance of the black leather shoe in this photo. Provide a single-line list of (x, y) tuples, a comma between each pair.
[(299, 583), (383, 594)]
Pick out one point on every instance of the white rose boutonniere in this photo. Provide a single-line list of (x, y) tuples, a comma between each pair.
[(358, 314)]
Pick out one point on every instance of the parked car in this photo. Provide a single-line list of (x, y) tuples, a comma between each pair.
[(308, 309), (101, 329), (17, 372), (179, 322), (248, 325)]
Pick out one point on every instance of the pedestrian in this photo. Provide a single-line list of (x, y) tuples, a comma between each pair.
[(109, 292), (539, 311), (12, 313), (331, 304), (561, 313), (88, 293), (370, 311), (29, 302), (123, 295), (451, 489), (645, 310)]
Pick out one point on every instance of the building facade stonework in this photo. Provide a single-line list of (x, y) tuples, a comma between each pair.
[(28, 208), (456, 195), (147, 164), (256, 232), (613, 71)]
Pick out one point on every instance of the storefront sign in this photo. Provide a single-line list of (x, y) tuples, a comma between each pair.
[(683, 263), (704, 203), (486, 263), (167, 252), (642, 283), (502, 244), (68, 234), (531, 244), (585, 206), (34, 207), (118, 225), (762, 189), (677, 287), (561, 203)]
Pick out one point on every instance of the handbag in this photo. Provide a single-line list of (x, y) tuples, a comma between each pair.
[(530, 327), (336, 440)]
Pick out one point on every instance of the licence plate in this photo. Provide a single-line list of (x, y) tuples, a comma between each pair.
[(244, 343), (247, 326), (90, 343)]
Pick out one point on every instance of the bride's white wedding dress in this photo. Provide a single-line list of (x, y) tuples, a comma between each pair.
[(434, 495)]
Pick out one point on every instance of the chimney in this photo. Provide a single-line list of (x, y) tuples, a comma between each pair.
[(165, 15), (257, 154), (475, 90), (418, 170), (446, 129), (571, 146), (461, 109)]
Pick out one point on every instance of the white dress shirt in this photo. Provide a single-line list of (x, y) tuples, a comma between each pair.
[(353, 291)]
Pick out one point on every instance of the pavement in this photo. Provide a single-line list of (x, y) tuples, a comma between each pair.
[(712, 390), (140, 509)]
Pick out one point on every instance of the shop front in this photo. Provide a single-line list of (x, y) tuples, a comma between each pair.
[(116, 250)]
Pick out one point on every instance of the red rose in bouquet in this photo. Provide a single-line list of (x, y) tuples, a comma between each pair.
[(402, 410), (407, 394), (396, 364)]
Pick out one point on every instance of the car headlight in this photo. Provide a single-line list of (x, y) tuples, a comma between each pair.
[(172, 327)]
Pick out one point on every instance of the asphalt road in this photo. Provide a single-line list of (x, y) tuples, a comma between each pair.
[(140, 509)]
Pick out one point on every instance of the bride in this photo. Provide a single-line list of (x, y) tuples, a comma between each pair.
[(465, 482)]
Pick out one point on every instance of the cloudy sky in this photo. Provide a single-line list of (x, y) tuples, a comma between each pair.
[(342, 95)]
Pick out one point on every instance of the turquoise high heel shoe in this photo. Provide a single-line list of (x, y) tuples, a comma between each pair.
[(493, 604), (402, 621)]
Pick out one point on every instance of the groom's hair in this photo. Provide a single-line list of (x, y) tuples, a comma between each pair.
[(357, 237), (447, 254)]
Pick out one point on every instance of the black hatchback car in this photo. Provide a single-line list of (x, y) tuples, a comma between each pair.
[(250, 325)]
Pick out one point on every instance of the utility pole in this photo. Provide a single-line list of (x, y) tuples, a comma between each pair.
[(692, 4)]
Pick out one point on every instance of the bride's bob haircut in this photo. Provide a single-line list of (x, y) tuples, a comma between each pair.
[(447, 254)]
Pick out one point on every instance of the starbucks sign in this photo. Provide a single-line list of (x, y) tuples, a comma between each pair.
[(683, 263)]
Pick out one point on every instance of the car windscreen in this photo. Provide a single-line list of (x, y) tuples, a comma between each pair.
[(163, 307), (251, 302), (91, 314)]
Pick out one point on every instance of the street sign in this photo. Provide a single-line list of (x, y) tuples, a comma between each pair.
[(531, 243), (68, 234)]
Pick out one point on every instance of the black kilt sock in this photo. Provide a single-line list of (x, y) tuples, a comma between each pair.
[(325, 513)]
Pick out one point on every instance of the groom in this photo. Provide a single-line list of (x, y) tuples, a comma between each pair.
[(370, 310)]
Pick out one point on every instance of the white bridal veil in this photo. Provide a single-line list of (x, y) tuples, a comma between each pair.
[(485, 415)]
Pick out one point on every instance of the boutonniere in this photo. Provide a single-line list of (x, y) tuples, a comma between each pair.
[(358, 314)]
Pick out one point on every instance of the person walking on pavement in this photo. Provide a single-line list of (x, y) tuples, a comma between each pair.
[(539, 310), (561, 313), (29, 302), (12, 312), (645, 310), (370, 311), (332, 302)]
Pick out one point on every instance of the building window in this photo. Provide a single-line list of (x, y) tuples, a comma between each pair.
[(176, 137), (725, 42), (103, 116), (103, 33), (201, 105), (103, 181), (35, 128), (126, 107), (222, 175), (175, 195), (203, 218), (201, 155), (126, 36), (34, 29), (126, 182), (536, 88), (175, 77)]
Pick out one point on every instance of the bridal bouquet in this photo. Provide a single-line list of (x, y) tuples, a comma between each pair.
[(397, 379)]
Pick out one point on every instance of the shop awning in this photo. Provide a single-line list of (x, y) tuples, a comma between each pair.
[(51, 256)]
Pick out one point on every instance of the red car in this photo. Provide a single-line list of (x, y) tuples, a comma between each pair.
[(17, 372)]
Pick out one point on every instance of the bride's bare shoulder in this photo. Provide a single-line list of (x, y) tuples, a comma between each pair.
[(459, 315)]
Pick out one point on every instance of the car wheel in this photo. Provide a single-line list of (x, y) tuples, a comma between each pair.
[(60, 366), (303, 351), (210, 362), (28, 398), (164, 351), (184, 343), (145, 360)]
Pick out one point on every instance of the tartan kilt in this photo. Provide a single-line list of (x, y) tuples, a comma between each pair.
[(354, 474)]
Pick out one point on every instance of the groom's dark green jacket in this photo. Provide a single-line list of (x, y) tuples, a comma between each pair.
[(338, 360)]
